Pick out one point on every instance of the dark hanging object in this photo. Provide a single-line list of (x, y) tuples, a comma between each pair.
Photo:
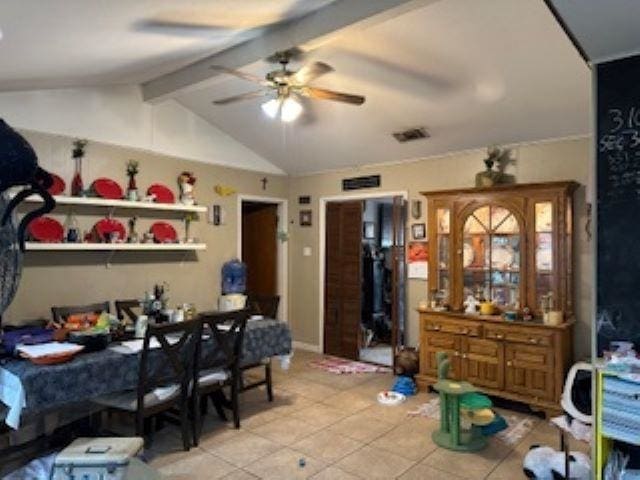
[(19, 168)]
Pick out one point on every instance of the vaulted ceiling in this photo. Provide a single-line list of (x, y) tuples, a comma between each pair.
[(472, 73)]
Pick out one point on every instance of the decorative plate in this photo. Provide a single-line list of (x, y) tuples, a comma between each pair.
[(388, 397), (467, 255), (109, 230), (58, 185), (544, 258), (162, 193), (502, 257), (107, 188), (46, 230), (163, 232)]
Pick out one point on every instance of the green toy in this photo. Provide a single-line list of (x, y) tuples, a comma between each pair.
[(452, 396)]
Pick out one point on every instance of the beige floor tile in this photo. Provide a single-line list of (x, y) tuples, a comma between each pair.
[(350, 401), (422, 472), (239, 475), (320, 415), (285, 464), (411, 439), (473, 465), (193, 465), (334, 473), (327, 446), (220, 434), (312, 390), (374, 463), (363, 428), (243, 448), (509, 467), (286, 430), (286, 403)]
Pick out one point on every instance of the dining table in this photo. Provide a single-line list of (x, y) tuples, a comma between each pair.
[(30, 389)]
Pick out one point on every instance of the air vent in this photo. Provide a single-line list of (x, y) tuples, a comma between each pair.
[(411, 135)]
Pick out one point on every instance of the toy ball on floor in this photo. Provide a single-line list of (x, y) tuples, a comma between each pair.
[(545, 463), (407, 362)]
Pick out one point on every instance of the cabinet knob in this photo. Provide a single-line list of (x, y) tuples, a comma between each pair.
[(464, 331), (509, 363), (464, 355), (499, 336), (436, 327), (533, 340), (456, 354)]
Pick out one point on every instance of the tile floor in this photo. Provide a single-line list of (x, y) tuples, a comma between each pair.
[(329, 427)]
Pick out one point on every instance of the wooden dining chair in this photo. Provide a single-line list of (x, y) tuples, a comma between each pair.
[(60, 314), (267, 306), (128, 309), (164, 378), (218, 357)]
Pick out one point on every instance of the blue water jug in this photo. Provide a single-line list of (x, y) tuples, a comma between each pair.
[(234, 277)]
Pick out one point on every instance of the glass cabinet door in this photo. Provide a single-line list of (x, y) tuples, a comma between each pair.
[(443, 239), (491, 256), (544, 254)]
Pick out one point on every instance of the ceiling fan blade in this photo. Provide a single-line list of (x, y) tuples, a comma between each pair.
[(310, 72), (184, 29), (244, 76), (324, 94), (242, 96)]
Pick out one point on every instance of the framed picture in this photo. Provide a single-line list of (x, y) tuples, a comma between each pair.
[(305, 218), (418, 231), (369, 230)]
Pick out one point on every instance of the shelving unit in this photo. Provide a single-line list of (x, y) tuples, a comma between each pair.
[(111, 247), (103, 202)]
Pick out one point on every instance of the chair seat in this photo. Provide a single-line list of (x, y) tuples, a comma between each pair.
[(213, 376), (129, 401)]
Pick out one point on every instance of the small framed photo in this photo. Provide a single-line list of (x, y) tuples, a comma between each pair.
[(418, 231), (305, 218), (369, 230)]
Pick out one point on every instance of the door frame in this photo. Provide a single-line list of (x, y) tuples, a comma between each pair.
[(283, 247), (322, 220)]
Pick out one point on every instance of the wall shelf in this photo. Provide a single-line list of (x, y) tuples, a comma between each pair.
[(110, 247), (103, 202)]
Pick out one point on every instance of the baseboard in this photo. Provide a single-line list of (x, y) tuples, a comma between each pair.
[(306, 346)]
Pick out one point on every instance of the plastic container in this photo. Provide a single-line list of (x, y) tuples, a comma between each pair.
[(234, 277)]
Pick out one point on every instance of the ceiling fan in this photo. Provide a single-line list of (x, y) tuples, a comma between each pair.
[(286, 85)]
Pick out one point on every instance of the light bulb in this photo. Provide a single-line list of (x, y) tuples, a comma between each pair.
[(291, 110), (271, 107)]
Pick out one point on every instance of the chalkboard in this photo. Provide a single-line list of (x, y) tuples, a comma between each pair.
[(618, 196)]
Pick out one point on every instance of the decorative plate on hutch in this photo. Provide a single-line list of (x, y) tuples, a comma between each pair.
[(164, 232), (107, 188), (106, 228), (162, 193), (46, 230), (58, 185)]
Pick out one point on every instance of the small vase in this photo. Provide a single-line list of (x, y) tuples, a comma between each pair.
[(77, 186)]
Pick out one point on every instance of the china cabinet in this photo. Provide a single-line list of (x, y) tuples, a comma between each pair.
[(510, 246)]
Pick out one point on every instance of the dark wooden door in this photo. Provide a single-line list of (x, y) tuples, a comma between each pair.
[(343, 279), (398, 275), (259, 247)]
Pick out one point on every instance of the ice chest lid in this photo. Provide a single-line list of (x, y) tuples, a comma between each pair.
[(100, 451)]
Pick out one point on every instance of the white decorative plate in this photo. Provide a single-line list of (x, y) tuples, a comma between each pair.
[(502, 257), (544, 259), (467, 255)]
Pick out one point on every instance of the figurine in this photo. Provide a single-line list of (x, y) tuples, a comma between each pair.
[(77, 186), (186, 181), (132, 171), (471, 305)]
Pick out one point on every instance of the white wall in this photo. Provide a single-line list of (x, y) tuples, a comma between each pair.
[(117, 115)]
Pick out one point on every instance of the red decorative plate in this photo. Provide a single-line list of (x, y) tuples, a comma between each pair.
[(58, 185), (108, 227), (46, 230), (163, 232), (107, 188), (162, 193)]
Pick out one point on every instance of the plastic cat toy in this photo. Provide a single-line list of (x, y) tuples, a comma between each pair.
[(19, 168)]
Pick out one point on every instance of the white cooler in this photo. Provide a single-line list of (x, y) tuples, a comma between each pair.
[(231, 302), (108, 458)]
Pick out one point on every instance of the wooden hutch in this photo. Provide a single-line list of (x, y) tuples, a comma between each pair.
[(511, 244)]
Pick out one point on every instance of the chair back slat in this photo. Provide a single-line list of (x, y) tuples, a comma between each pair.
[(226, 329), (266, 305), (60, 314), (126, 307), (174, 360)]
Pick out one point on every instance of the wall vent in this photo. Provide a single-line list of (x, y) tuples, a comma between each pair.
[(411, 134)]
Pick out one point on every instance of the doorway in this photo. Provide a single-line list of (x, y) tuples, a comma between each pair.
[(364, 288), (261, 226)]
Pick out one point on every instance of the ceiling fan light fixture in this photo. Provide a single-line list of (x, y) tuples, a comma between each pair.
[(271, 107), (291, 109)]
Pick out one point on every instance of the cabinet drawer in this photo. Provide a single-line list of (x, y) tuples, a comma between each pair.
[(519, 335), (470, 329)]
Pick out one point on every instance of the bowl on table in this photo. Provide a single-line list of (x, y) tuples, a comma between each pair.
[(91, 340)]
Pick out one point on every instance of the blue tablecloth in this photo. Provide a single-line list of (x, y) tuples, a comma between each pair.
[(32, 389)]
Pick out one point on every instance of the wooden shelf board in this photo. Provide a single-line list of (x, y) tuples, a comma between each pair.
[(103, 202), (108, 247)]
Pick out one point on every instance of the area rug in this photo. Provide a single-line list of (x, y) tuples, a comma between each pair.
[(518, 425), (342, 366)]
